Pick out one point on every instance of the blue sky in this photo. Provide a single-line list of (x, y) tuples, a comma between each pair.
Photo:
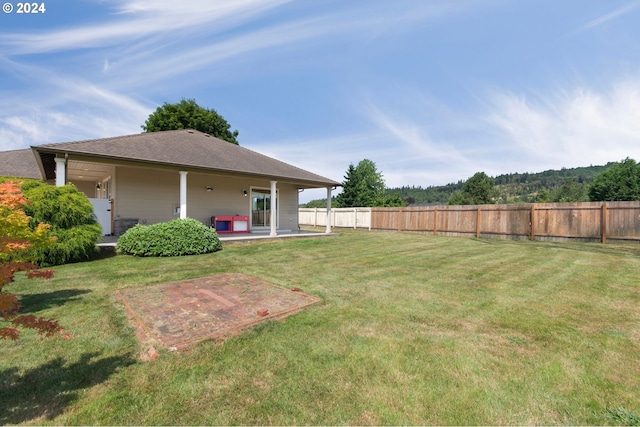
[(431, 91)]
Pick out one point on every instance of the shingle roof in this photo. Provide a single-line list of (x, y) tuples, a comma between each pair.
[(19, 163), (189, 149)]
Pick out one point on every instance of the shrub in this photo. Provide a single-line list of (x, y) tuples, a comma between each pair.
[(172, 238), (70, 214), (74, 244)]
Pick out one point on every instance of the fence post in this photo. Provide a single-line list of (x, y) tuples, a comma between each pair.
[(603, 225), (435, 220), (400, 218), (532, 236), (355, 218), (478, 224)]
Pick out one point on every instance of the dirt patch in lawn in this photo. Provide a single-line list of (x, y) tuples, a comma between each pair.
[(176, 315)]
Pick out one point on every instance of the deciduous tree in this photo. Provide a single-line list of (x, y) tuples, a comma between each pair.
[(570, 191), (477, 190), (186, 114), (619, 182), (16, 237)]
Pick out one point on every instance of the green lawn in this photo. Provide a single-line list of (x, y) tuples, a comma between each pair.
[(413, 329)]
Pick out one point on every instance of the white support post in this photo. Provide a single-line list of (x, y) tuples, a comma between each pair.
[(274, 206), (328, 230), (183, 194), (61, 171)]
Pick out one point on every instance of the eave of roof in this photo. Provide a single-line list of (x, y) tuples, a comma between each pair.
[(19, 163), (184, 149)]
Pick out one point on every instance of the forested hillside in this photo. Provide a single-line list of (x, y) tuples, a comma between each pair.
[(511, 188)]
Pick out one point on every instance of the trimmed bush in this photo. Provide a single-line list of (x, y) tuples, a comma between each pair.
[(70, 214), (172, 238), (74, 244)]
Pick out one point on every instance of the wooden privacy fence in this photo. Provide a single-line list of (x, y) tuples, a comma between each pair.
[(590, 221)]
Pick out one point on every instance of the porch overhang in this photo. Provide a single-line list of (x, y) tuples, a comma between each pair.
[(45, 158)]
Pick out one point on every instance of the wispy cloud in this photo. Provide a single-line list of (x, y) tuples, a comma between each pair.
[(71, 109), (601, 20), (132, 21), (570, 128), (432, 144), (162, 67), (98, 79), (427, 139), (100, 74)]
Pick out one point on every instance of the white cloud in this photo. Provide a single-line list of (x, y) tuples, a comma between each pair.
[(414, 139), (135, 20), (406, 131), (574, 128), (72, 109), (601, 20), (98, 69)]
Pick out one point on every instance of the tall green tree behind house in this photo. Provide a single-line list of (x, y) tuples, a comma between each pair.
[(363, 186), (619, 182), (186, 114)]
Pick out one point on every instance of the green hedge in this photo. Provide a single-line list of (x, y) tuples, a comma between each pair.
[(172, 238)]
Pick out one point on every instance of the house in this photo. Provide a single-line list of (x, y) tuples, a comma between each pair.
[(155, 177)]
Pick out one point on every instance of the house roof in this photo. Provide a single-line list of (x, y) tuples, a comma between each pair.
[(184, 149), (19, 163)]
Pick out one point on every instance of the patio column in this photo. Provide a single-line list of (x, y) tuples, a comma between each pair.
[(274, 205), (61, 171), (183, 194), (328, 210)]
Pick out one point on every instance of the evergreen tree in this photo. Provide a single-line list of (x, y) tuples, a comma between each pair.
[(349, 194), (364, 187)]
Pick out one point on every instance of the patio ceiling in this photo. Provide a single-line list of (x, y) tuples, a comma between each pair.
[(88, 171)]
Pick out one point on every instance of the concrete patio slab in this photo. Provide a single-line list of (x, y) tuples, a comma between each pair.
[(176, 315), (110, 241)]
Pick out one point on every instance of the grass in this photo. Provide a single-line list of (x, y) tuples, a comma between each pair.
[(413, 329)]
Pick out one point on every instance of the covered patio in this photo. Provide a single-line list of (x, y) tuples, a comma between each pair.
[(156, 177), (110, 241)]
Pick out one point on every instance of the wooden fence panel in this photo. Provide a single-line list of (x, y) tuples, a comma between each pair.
[(623, 220), (569, 220), (457, 220), (505, 220), (591, 221), (418, 219), (385, 218)]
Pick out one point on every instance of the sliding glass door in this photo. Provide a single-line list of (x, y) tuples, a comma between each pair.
[(260, 208)]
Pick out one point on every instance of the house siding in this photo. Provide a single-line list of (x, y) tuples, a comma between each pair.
[(288, 206), (146, 194), (150, 195), (86, 187)]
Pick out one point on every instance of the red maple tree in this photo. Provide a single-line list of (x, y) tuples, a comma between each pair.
[(16, 237)]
